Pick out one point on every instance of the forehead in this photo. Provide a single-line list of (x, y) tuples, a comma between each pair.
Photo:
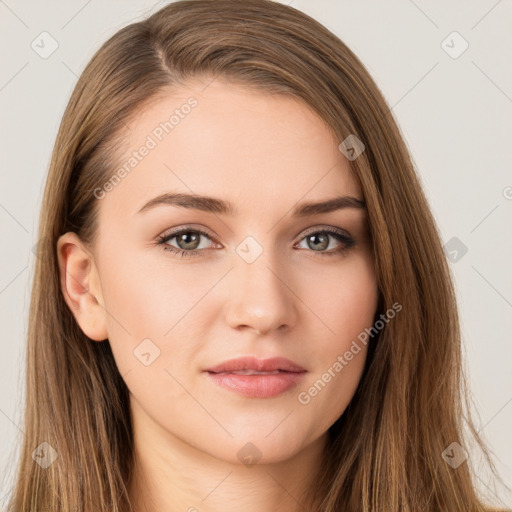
[(228, 141)]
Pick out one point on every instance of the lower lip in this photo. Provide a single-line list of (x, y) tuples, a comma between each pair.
[(258, 386)]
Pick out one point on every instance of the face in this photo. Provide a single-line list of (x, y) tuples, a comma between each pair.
[(185, 287)]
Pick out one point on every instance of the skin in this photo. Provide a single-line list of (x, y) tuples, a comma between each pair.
[(265, 153)]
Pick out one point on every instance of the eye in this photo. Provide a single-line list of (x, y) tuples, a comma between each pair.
[(188, 241), (318, 241)]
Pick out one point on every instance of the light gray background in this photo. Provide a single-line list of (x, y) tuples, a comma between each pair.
[(454, 114)]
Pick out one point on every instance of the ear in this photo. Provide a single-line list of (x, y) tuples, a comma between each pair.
[(81, 287)]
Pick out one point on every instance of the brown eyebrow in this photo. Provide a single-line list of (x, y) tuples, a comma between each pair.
[(213, 205)]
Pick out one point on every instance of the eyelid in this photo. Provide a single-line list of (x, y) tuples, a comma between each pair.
[(187, 227), (324, 228)]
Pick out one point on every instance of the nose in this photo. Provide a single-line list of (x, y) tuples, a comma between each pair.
[(261, 296)]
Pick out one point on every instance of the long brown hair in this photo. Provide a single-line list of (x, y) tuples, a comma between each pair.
[(385, 451)]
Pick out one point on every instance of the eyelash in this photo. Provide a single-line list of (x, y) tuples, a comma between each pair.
[(347, 242)]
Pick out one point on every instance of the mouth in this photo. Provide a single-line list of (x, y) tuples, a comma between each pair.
[(254, 378)]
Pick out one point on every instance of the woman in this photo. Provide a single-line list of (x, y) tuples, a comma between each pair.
[(244, 298)]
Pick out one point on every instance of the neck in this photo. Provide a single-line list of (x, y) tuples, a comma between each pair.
[(171, 475)]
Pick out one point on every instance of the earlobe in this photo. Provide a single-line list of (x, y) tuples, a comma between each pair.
[(80, 286)]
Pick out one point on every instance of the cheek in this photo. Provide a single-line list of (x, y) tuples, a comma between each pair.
[(347, 303), (150, 309), (346, 298), (148, 297)]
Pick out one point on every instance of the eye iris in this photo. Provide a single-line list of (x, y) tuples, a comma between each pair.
[(323, 244), (189, 237)]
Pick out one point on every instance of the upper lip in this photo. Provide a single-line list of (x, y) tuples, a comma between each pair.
[(260, 365)]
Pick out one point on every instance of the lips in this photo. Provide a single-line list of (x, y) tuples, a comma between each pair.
[(255, 366), (257, 378)]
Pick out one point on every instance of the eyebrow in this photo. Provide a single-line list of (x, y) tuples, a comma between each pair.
[(220, 206)]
